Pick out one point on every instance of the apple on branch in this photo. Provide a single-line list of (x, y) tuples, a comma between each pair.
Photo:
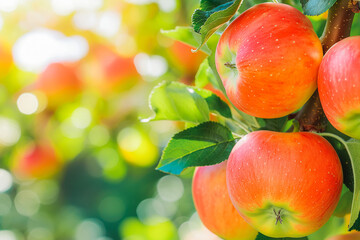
[(268, 59), (284, 184), (339, 86), (214, 206)]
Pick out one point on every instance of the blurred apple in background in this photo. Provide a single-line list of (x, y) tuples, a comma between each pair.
[(108, 72), (185, 60), (36, 161), (59, 83)]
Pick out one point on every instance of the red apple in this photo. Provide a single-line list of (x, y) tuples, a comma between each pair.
[(59, 83), (268, 60), (349, 236), (339, 86), (214, 206), (36, 161), (284, 184)]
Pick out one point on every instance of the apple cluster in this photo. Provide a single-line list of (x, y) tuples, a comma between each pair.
[(271, 61)]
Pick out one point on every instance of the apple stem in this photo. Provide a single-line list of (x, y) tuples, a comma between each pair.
[(278, 216), (338, 26), (230, 65)]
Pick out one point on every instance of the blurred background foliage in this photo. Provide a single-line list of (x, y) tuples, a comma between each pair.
[(76, 162)]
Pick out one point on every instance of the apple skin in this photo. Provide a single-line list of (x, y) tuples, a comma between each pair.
[(297, 173), (349, 236), (36, 161), (339, 87), (268, 59), (59, 83), (214, 206)]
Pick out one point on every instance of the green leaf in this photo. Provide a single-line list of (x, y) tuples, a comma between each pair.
[(276, 124), (211, 16), (316, 7), (344, 205), (334, 226), (342, 151), (176, 101), (205, 75), (206, 9), (206, 144), (353, 150), (263, 237), (186, 35), (214, 102)]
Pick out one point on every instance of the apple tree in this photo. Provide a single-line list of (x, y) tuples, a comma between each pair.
[(271, 117)]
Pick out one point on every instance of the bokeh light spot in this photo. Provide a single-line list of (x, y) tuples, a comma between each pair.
[(81, 118), (63, 7), (90, 229), (129, 139), (153, 66), (108, 23), (8, 6), (85, 20), (6, 180), (36, 49), (167, 5), (170, 188), (27, 103), (10, 132), (27, 203), (7, 235), (154, 208)]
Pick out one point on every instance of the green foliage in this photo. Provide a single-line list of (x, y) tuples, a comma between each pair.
[(316, 7), (205, 76), (211, 16), (176, 101), (334, 226), (263, 237), (186, 35), (344, 205), (214, 102), (206, 144), (276, 124), (344, 156), (353, 150)]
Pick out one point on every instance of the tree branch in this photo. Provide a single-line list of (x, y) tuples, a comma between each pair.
[(338, 26)]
